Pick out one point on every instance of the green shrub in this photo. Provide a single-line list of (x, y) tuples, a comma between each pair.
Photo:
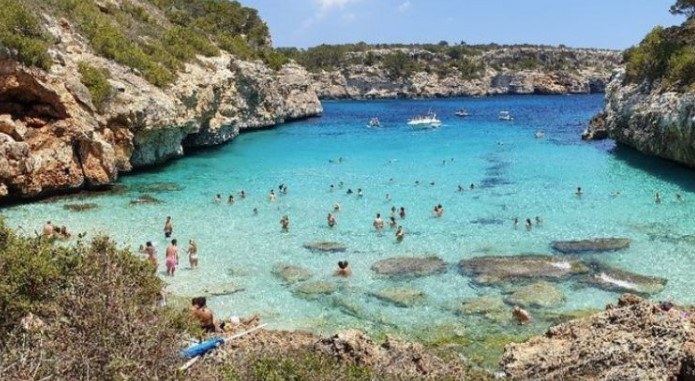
[(97, 82), (274, 59), (399, 65), (650, 59), (681, 67), (20, 30)]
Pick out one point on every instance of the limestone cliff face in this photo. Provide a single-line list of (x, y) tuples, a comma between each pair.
[(655, 122), (52, 138), (589, 72)]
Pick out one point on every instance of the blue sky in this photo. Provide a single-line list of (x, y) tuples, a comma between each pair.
[(578, 23)]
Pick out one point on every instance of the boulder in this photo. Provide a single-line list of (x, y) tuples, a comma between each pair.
[(494, 270), (617, 280), (325, 247), (291, 273), (591, 245), (536, 295), (409, 266), (400, 296)]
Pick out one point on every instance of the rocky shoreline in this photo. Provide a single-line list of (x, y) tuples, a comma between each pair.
[(53, 139)]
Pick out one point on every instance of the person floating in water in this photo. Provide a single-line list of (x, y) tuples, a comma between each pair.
[(230, 200), (271, 195), (657, 198), (218, 198), (401, 213), (400, 234), (193, 254), (331, 220), (285, 223), (242, 194), (168, 227), (579, 192), (539, 221), (343, 270), (529, 225), (337, 207), (516, 222), (172, 257), (378, 222), (520, 315)]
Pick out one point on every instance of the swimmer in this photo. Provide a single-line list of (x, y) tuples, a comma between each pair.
[(529, 225), (285, 223), (521, 315), (388, 197), (343, 270), (242, 194), (337, 207), (283, 190), (340, 185), (516, 222), (255, 211), (443, 162), (432, 183), (417, 182), (271, 195), (579, 192), (392, 222), (172, 257), (472, 186), (378, 222), (439, 210), (400, 234), (218, 198), (230, 200), (460, 188), (331, 220), (539, 221), (402, 212), (48, 229), (168, 227), (330, 189), (615, 194), (393, 211), (657, 198), (193, 254), (679, 198), (349, 191), (359, 192)]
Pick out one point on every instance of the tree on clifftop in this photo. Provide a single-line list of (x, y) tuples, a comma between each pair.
[(684, 7)]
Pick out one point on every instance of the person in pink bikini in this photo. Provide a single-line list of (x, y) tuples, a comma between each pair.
[(172, 257)]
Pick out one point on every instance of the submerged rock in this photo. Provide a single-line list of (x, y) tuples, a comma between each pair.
[(313, 290), (491, 307), (400, 296), (617, 280), (495, 270), (222, 289), (158, 187), (291, 274), (145, 199), (537, 295), (80, 207), (409, 266), (325, 246), (591, 245)]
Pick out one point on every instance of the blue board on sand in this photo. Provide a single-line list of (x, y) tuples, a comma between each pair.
[(202, 348)]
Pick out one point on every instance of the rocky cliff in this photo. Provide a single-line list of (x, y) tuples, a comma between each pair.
[(653, 121), (635, 340), (53, 138), (547, 70)]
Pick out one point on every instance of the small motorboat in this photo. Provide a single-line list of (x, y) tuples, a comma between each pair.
[(427, 121), (462, 113), (539, 134), (374, 122), (505, 115)]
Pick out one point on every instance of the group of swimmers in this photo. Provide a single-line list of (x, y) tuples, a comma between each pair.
[(171, 260), (55, 232)]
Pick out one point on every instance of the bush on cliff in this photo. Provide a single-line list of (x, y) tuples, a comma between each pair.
[(96, 81), (21, 31)]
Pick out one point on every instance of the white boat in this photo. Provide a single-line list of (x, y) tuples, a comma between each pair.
[(539, 134), (374, 122), (426, 121), (505, 115), (462, 113)]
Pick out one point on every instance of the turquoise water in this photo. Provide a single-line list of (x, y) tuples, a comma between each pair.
[(516, 175)]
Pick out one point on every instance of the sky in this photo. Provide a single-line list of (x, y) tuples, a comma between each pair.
[(615, 24)]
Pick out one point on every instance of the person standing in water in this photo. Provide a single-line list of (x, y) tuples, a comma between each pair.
[(400, 234), (579, 192), (393, 223), (378, 222), (657, 198), (343, 270), (172, 257), (193, 254), (151, 252), (168, 227), (516, 222), (529, 225), (402, 213), (285, 223), (230, 200), (271, 195), (331, 220)]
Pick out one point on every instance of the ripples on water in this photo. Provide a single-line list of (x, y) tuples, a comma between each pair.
[(516, 175)]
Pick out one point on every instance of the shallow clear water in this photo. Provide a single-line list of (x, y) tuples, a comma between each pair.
[(516, 175)]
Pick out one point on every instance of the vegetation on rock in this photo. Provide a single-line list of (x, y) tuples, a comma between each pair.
[(22, 34), (97, 82)]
